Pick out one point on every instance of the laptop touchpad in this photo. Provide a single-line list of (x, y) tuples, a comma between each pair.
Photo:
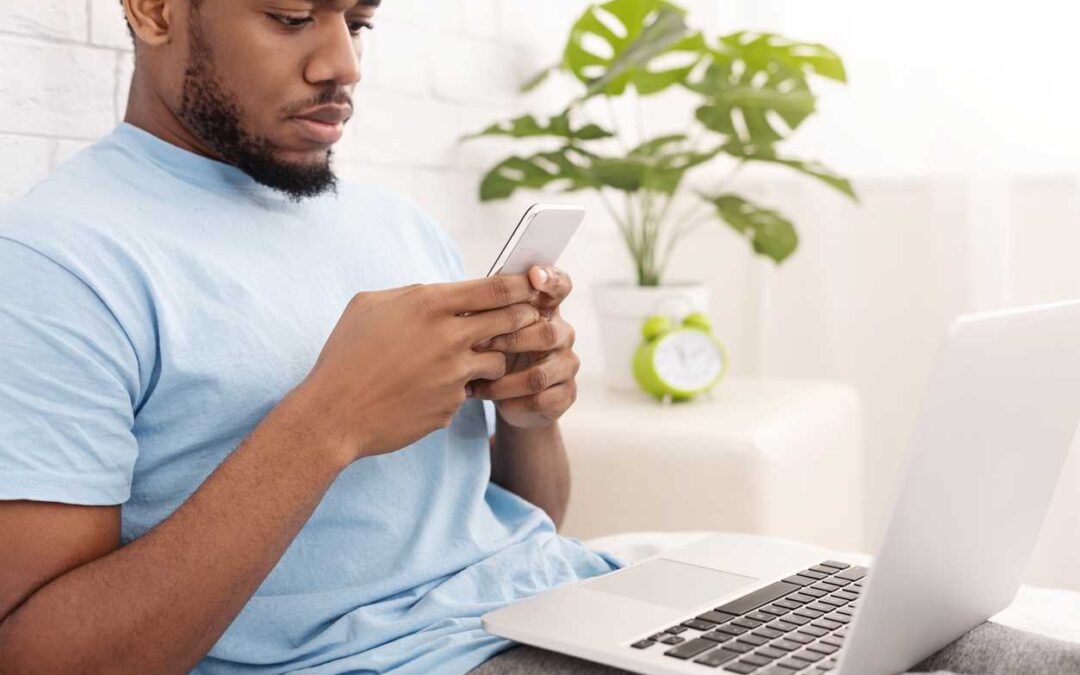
[(670, 583)]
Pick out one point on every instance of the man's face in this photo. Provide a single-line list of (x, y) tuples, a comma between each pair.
[(268, 85)]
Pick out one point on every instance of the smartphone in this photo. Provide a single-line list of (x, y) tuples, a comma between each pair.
[(539, 238)]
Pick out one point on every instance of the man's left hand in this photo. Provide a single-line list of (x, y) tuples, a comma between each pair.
[(541, 365)]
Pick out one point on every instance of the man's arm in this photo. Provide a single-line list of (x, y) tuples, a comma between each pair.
[(532, 464), (71, 601), (160, 603)]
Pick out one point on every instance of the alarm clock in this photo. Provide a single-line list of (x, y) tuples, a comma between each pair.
[(679, 361)]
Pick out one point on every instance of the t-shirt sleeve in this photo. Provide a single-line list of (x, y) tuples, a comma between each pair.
[(69, 385)]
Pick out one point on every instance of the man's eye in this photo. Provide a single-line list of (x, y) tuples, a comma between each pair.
[(355, 27), (290, 21)]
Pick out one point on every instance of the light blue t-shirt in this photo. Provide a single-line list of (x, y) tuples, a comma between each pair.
[(155, 305)]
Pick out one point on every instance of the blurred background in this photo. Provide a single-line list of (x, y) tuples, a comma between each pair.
[(957, 128)]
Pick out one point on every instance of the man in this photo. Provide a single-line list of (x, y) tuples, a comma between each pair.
[(242, 426), (271, 373)]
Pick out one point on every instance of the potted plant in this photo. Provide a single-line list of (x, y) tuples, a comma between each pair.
[(750, 92)]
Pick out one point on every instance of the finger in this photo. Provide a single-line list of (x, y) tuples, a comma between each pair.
[(551, 403), (494, 322), (487, 366), (478, 295), (543, 336), (554, 286), (550, 371)]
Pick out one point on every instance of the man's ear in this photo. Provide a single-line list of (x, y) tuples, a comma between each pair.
[(152, 20)]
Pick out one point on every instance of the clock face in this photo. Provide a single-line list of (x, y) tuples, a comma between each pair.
[(688, 360)]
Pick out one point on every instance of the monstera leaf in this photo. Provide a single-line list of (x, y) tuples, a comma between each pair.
[(814, 169), (559, 126), (612, 46), (769, 233), (757, 88), (569, 165)]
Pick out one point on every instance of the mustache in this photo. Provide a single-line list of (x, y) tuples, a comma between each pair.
[(330, 95)]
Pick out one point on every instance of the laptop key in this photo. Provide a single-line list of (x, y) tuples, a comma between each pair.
[(800, 580), (770, 653), (820, 607), (740, 646), (825, 569), (846, 595), (833, 601), (754, 660), (833, 640), (813, 592), (698, 624), (741, 668), (773, 609), (853, 574), (643, 644), (717, 636), (672, 640), (749, 624), (806, 655), (690, 648), (837, 616), (808, 613), (767, 632), (755, 640), (796, 619), (716, 617), (675, 630), (835, 564), (814, 574), (793, 664), (760, 616), (826, 586), (801, 638), (785, 644), (823, 648), (717, 657), (731, 629), (782, 625), (814, 630), (827, 624), (800, 598), (786, 603), (761, 596)]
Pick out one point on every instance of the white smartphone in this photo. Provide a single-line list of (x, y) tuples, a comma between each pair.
[(539, 238)]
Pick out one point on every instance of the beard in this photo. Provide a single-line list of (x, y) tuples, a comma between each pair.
[(215, 116)]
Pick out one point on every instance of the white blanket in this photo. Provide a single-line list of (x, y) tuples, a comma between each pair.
[(1051, 612)]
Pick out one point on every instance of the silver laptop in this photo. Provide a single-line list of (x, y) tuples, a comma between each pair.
[(997, 423)]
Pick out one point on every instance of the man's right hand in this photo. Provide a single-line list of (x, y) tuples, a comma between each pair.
[(395, 367)]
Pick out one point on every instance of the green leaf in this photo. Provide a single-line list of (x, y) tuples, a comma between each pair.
[(608, 60), (567, 165), (769, 233), (811, 168), (757, 85), (658, 165), (658, 145), (528, 126)]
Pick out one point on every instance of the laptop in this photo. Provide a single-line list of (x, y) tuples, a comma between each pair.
[(997, 422)]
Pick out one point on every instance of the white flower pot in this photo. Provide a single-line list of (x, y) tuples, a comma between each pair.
[(622, 309)]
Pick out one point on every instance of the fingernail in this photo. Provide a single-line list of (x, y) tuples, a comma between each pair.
[(544, 275)]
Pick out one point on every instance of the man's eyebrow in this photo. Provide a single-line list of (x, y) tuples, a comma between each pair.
[(360, 3)]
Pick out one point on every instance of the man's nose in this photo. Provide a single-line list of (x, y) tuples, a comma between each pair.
[(337, 60)]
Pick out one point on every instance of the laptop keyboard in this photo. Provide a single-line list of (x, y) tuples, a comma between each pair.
[(795, 625)]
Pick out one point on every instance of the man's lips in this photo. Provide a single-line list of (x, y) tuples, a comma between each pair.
[(323, 125)]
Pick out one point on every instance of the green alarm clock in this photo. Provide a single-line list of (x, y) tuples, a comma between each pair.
[(680, 362)]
